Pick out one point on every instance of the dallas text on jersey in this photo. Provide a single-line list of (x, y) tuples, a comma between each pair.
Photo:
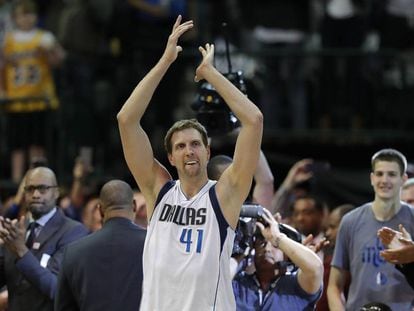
[(183, 216)]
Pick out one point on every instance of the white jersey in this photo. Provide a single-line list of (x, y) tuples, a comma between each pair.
[(187, 253)]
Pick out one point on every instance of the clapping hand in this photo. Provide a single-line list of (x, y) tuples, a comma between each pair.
[(400, 246)]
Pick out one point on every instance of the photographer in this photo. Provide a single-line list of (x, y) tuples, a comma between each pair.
[(261, 193), (270, 287)]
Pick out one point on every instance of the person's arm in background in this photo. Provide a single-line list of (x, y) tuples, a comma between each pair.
[(320, 245), (73, 205), (335, 291), (297, 174), (52, 49), (263, 189), (17, 204), (77, 193), (4, 299)]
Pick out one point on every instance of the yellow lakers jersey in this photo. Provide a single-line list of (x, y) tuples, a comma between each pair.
[(28, 78)]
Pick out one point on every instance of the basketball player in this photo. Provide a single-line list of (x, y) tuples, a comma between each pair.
[(192, 219)]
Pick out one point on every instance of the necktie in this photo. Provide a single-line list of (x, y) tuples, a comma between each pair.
[(32, 234)]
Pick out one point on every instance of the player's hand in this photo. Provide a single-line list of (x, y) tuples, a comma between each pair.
[(172, 49), (208, 57)]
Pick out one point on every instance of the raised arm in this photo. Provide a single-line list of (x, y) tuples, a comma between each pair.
[(234, 184), (297, 174), (310, 273), (147, 171), (263, 189), (335, 291)]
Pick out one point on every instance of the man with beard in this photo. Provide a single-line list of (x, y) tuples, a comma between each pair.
[(270, 287), (308, 217), (32, 250), (191, 220)]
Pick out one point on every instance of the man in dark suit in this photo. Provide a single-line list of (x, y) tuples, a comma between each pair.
[(104, 270), (30, 259)]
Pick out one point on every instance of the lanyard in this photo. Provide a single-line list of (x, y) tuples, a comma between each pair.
[(272, 286)]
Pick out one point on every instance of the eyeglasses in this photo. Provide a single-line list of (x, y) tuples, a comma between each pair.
[(41, 188)]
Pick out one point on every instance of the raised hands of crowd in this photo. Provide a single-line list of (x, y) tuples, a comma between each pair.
[(298, 173), (316, 247)]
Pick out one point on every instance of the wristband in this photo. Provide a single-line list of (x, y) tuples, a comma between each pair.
[(276, 242)]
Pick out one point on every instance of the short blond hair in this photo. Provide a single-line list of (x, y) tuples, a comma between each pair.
[(183, 125)]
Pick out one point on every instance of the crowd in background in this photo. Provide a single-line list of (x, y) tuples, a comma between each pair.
[(307, 65)]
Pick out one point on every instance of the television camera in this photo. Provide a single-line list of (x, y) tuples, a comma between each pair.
[(246, 231), (211, 109)]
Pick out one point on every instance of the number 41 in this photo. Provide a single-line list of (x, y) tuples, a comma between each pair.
[(186, 238)]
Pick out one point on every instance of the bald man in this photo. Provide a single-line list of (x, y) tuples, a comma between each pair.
[(30, 259), (104, 270)]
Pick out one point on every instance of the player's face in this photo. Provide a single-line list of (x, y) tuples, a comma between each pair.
[(387, 180), (189, 155)]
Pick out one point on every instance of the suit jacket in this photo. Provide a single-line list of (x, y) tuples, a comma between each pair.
[(104, 270), (31, 280)]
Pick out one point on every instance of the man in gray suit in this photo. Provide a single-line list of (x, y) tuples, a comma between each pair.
[(30, 258), (104, 270)]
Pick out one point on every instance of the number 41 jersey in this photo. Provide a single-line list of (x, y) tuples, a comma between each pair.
[(187, 253)]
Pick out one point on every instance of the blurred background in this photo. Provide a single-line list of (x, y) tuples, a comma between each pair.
[(334, 79)]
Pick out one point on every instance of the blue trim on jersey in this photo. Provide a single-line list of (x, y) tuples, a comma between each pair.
[(217, 286), (168, 185), (222, 222)]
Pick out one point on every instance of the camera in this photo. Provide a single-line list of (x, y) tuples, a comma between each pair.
[(246, 228), (256, 211), (211, 109)]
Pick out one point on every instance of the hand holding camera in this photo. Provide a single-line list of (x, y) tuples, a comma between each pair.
[(270, 228)]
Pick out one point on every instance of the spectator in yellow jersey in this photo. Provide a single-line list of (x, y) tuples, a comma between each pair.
[(27, 85)]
